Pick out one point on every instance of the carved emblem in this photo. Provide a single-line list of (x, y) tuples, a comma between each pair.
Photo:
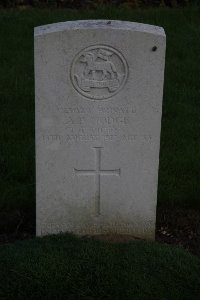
[(99, 72)]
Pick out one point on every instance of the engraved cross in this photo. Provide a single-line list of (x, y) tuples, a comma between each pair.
[(97, 172)]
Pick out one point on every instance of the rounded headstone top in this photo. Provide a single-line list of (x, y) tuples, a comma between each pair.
[(98, 24)]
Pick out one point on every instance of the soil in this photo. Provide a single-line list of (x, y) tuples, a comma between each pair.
[(177, 227)]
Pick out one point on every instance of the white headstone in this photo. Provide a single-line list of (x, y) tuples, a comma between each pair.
[(99, 87)]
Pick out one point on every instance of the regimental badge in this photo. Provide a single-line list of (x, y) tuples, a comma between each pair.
[(99, 72)]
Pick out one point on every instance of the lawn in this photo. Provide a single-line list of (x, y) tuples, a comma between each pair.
[(65, 267)]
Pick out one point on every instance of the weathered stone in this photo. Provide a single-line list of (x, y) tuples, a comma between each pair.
[(99, 91)]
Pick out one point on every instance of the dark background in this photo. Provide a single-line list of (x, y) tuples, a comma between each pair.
[(92, 4)]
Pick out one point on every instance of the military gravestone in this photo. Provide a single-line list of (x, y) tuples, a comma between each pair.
[(99, 91)]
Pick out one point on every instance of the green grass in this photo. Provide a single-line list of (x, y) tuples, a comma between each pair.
[(179, 174), (65, 267)]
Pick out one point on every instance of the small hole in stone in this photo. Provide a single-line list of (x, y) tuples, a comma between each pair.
[(154, 48)]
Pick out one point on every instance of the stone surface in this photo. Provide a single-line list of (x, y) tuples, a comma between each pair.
[(99, 88)]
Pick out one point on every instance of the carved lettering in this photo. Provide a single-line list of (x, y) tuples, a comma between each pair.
[(74, 121), (113, 120), (81, 136)]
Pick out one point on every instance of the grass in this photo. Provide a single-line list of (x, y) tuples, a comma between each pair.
[(65, 267), (179, 173)]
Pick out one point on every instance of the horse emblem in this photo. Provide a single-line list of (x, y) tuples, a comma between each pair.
[(99, 72)]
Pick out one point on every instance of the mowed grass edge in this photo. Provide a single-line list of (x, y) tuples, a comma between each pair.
[(66, 267)]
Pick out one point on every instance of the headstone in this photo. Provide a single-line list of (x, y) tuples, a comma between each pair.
[(99, 88)]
